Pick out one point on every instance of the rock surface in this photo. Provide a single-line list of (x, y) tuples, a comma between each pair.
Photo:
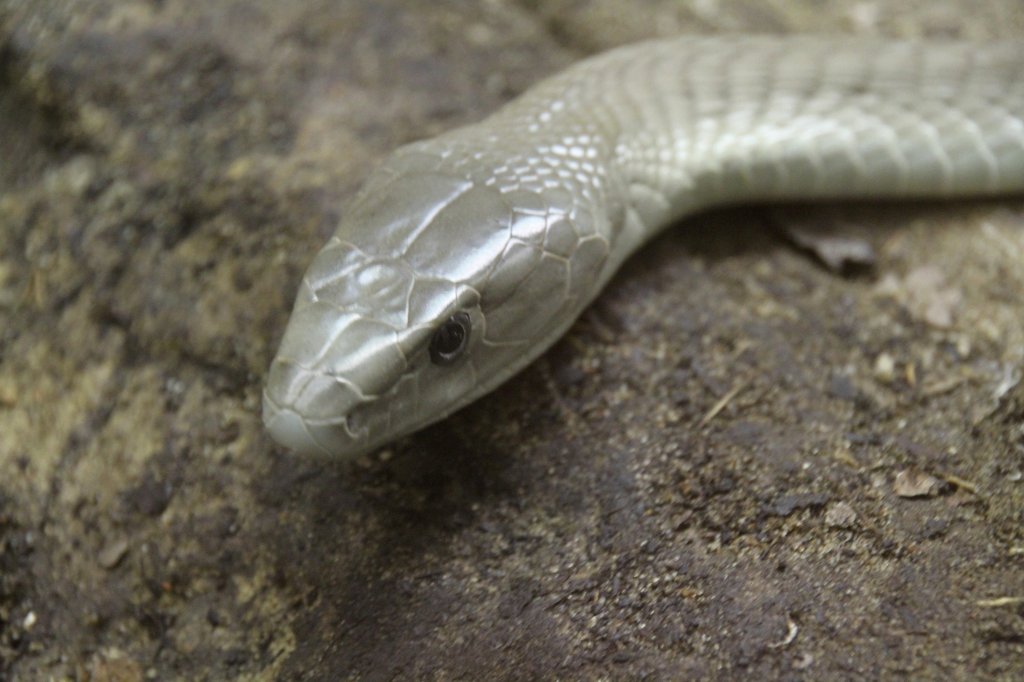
[(654, 498)]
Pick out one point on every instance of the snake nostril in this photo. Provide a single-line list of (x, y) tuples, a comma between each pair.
[(355, 423)]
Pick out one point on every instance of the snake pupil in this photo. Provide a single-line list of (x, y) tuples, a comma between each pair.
[(450, 339)]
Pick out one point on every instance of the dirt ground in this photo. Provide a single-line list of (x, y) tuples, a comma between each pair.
[(740, 462)]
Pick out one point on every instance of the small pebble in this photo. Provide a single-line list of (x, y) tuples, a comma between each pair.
[(885, 368), (111, 555), (841, 515), (914, 483)]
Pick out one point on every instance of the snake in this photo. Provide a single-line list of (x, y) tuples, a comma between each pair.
[(465, 256)]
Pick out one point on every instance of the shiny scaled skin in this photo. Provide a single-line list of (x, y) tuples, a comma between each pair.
[(518, 221)]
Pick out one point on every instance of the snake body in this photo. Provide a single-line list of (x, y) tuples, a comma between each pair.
[(465, 256)]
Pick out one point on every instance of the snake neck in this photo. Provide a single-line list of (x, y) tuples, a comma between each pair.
[(684, 124)]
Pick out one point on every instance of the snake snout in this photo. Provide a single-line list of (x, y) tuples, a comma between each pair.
[(287, 428), (307, 411)]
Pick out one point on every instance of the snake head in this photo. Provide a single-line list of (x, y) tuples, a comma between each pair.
[(437, 286)]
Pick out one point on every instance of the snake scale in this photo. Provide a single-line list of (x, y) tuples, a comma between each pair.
[(465, 256)]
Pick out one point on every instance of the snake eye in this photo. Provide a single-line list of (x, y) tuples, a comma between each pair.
[(450, 339)]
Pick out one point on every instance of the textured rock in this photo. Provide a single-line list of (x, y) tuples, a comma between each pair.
[(168, 170)]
